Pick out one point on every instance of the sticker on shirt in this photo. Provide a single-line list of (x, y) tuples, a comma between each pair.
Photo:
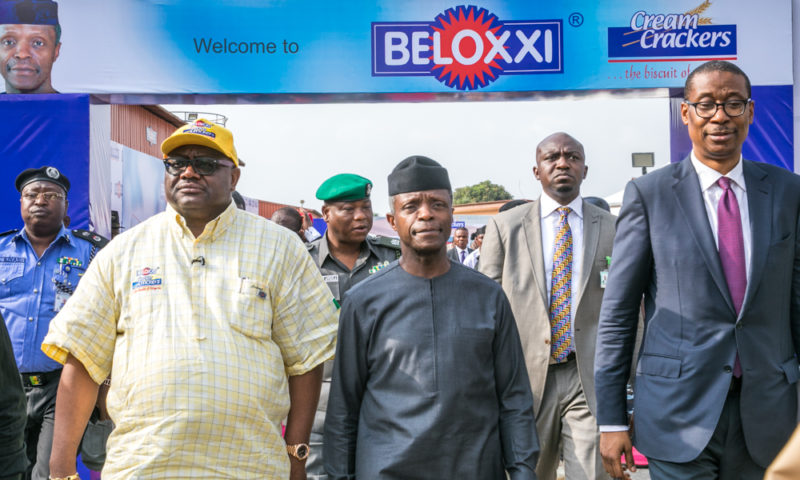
[(147, 278)]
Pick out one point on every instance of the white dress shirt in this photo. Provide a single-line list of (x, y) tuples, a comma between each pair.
[(549, 222), (712, 192), (472, 258), (458, 253)]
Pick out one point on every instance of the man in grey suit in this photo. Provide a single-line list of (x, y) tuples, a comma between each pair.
[(556, 300), (713, 245)]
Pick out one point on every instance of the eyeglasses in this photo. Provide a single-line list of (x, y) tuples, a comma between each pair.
[(732, 108), (201, 165), (48, 196)]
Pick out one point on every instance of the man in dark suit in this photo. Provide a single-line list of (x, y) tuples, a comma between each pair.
[(460, 250), (13, 460), (713, 244)]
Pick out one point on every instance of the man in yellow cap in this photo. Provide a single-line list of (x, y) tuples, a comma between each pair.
[(213, 324), (345, 255)]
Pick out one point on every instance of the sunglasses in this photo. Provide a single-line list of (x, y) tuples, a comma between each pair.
[(201, 165)]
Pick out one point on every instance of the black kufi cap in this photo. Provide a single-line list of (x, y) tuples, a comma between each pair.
[(47, 174), (29, 12), (418, 173)]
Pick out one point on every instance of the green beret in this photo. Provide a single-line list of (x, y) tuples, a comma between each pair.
[(345, 187)]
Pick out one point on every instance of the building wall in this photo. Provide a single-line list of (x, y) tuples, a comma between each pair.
[(129, 127), (266, 209)]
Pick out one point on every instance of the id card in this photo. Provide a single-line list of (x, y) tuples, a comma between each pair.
[(603, 278), (60, 300)]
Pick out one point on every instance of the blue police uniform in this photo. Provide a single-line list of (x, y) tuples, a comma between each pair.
[(32, 290)]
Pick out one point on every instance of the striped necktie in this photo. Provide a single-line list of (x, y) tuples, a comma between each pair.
[(561, 290)]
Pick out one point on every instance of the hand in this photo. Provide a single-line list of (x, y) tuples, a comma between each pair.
[(612, 446), (298, 469), (304, 215), (102, 394)]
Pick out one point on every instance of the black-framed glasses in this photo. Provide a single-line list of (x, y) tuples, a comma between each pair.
[(732, 108), (48, 196), (201, 165)]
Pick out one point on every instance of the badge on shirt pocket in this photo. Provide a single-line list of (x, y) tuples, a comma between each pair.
[(253, 310), (332, 281), (11, 268)]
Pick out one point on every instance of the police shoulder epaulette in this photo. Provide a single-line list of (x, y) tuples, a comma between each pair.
[(9, 232), (389, 242), (97, 240)]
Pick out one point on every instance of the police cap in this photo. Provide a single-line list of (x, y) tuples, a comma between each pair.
[(47, 174)]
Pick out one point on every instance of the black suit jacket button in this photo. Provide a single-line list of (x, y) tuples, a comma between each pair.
[(727, 369)]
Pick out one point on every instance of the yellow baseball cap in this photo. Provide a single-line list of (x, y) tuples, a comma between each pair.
[(204, 133)]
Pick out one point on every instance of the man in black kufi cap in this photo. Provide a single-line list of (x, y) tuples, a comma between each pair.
[(429, 375), (30, 41)]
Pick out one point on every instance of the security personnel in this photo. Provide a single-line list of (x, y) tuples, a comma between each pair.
[(40, 266), (345, 255)]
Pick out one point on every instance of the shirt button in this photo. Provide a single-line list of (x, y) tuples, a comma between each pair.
[(30, 319), (35, 290), (38, 264), (547, 342)]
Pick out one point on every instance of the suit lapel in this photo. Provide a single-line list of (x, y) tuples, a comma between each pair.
[(591, 234), (531, 225), (690, 200), (759, 205)]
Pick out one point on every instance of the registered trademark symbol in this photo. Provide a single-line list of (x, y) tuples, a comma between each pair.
[(575, 19)]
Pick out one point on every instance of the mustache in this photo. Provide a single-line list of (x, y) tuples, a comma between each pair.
[(26, 63)]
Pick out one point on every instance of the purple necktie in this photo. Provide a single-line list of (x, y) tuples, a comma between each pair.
[(463, 255), (731, 250)]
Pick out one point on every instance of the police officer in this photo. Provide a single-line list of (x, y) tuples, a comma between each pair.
[(40, 266), (345, 255)]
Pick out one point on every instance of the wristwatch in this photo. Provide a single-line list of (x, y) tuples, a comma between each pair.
[(299, 451)]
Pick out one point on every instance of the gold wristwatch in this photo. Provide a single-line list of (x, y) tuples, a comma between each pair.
[(74, 476), (299, 451)]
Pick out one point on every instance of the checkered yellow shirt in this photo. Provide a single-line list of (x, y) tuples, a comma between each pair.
[(198, 353)]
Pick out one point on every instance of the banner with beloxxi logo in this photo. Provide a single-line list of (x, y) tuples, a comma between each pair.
[(384, 46)]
